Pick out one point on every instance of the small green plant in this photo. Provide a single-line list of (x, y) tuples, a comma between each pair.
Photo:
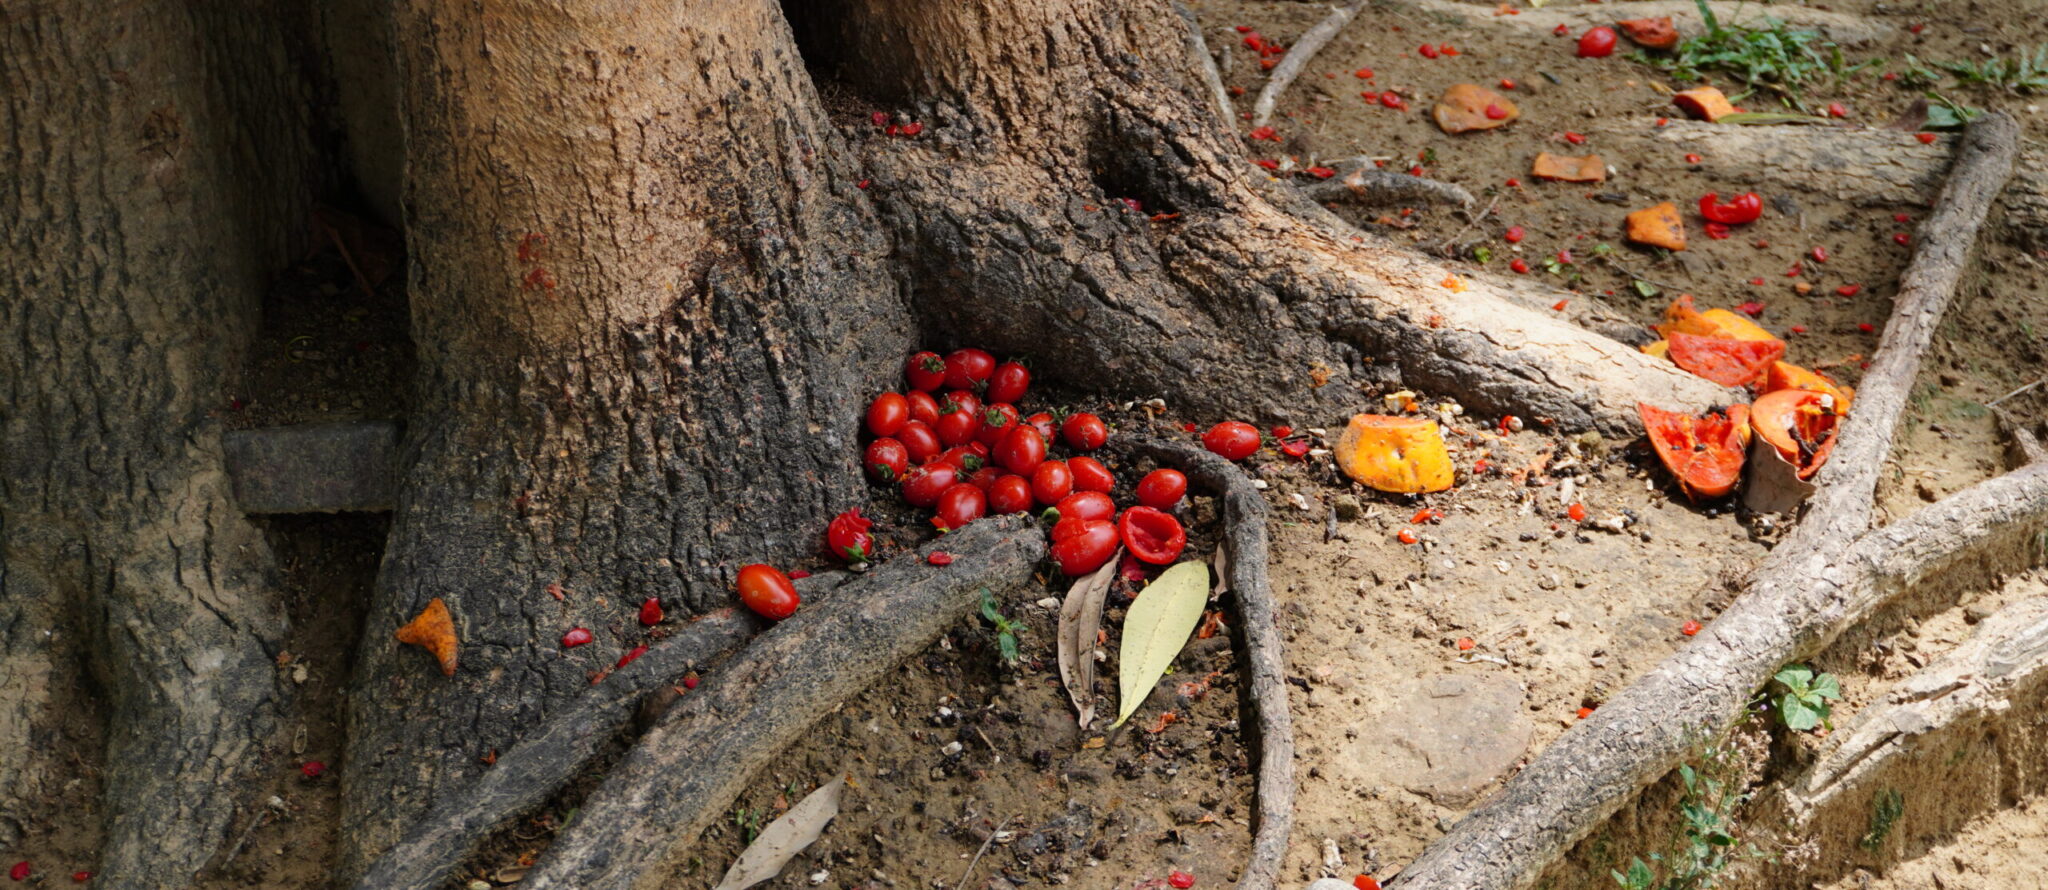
[(1766, 56), (1944, 113), (1917, 73), (748, 821), (1006, 629), (1706, 844), (1804, 704), (1885, 810), (2025, 73)]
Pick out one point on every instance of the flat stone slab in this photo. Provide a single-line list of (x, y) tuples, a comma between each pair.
[(315, 467), (1455, 736)]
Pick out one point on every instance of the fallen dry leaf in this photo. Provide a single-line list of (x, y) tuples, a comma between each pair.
[(1565, 168), (433, 630), (1658, 226), (1705, 103), (1466, 107), (1080, 626), (785, 837)]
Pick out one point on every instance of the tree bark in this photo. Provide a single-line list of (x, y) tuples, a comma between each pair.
[(650, 303), (158, 169)]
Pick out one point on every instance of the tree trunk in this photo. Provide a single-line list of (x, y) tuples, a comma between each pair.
[(651, 302), (157, 167)]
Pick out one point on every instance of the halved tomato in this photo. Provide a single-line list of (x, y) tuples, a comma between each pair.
[(1705, 453), (1800, 423), (1657, 33), (1726, 361), (1785, 375)]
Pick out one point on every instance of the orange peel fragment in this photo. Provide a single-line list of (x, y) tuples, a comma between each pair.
[(1398, 454), (1658, 226), (433, 629)]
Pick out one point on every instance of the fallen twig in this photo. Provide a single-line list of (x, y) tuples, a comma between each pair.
[(1205, 64), (1297, 58), (1368, 187), (971, 863)]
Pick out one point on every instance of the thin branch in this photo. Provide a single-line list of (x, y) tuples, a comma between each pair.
[(1297, 57), (971, 863), (1206, 65)]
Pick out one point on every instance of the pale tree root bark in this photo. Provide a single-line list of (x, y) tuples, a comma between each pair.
[(1841, 27), (1830, 573), (695, 761), (1244, 545), (1305, 48)]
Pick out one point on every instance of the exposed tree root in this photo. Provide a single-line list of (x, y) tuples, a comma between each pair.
[(1841, 27), (696, 760), (1829, 574), (1244, 540), (1368, 187), (1297, 57)]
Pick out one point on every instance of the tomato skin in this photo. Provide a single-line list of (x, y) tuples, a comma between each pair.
[(1743, 208), (1086, 505), (1010, 494), (996, 421), (888, 413), (964, 458), (1162, 489), (967, 401), (920, 443), (848, 539), (969, 369), (1021, 451), (1045, 425), (957, 427), (1086, 548), (1091, 475), (925, 371), (1009, 382), (767, 591), (985, 477), (959, 504), (1233, 440), (922, 406), (1151, 536), (924, 485), (1084, 431), (1597, 43), (886, 460), (1051, 482)]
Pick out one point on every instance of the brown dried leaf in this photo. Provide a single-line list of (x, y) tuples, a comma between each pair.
[(1080, 623), (433, 630), (785, 837)]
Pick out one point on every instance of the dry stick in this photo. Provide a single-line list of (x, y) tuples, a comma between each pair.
[(1206, 65), (1297, 58), (683, 773), (1244, 520), (1819, 581), (971, 863)]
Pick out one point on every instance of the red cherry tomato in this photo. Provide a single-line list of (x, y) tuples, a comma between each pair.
[(1084, 431), (920, 443), (888, 413), (1597, 43), (1151, 536), (922, 406), (1234, 440), (924, 485), (968, 402), (886, 460), (1021, 451), (1090, 544), (1010, 494), (767, 591), (996, 421), (576, 636), (964, 458), (969, 369), (1743, 208), (1044, 424), (1009, 382), (847, 537), (1091, 475), (1086, 505), (958, 505), (985, 477), (957, 426), (926, 372), (1162, 489), (1051, 482), (650, 611)]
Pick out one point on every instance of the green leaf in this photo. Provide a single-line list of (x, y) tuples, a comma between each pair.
[(1799, 716), (1827, 687), (1795, 677), (1155, 629), (1008, 643)]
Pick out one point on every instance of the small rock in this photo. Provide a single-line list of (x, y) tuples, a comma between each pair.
[(1348, 508), (1051, 602), (1562, 619)]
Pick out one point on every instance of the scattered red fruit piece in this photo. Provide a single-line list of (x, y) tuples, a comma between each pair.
[(1514, 235), (1559, 305), (1799, 329), (1717, 231), (911, 129), (1757, 281), (1917, 27), (20, 871), (1320, 172), (1297, 449), (630, 655), (80, 877), (1366, 882), (650, 612), (1362, 74), (1180, 880), (1925, 138), (1692, 159), (1752, 308), (1820, 254), (1405, 536), (313, 769), (1585, 712), (1690, 628), (1849, 290), (1901, 238), (576, 636), (1507, 83), (1866, 327), (1837, 109), (1265, 133), (1514, 183), (1597, 43), (1663, 122), (1465, 644), (1282, 431), (861, 184), (795, 574), (1495, 112), (1519, 266), (690, 681), (1427, 51), (1575, 138), (1901, 218), (1268, 164), (1576, 511), (1561, 30), (1447, 49), (940, 558)]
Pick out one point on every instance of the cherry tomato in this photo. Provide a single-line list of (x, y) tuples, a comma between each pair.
[(1162, 489), (925, 371), (886, 459), (969, 369), (1010, 494), (1234, 440), (1086, 505), (922, 406), (847, 537), (1051, 482), (964, 458), (1597, 43), (968, 402), (1044, 424), (957, 426), (924, 485), (650, 611), (996, 421), (1009, 382), (1086, 548), (985, 477), (958, 505), (1084, 431), (1091, 475), (920, 443), (767, 591), (1743, 208), (888, 413), (1021, 451), (1151, 536)]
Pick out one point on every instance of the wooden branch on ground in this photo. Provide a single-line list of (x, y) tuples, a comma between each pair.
[(682, 774), (1367, 187), (1841, 27), (1244, 537), (1205, 64), (1824, 577), (1297, 57)]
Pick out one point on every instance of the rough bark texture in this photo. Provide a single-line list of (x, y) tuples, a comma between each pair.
[(157, 168), (635, 828), (1826, 576), (1841, 27), (649, 301)]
